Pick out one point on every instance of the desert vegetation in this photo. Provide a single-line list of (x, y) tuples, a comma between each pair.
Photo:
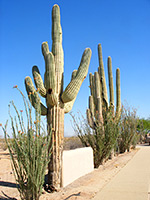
[(58, 101), (129, 135), (119, 136), (109, 128), (29, 148)]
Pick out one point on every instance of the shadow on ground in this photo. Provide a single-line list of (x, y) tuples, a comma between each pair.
[(4, 154), (78, 194), (144, 145), (6, 197), (8, 184)]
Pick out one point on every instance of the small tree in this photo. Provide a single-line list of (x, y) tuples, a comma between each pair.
[(28, 149)]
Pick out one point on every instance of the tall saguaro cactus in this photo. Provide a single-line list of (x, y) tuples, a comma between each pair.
[(58, 101), (98, 101)]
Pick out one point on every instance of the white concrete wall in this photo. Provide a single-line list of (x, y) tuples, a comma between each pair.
[(77, 163)]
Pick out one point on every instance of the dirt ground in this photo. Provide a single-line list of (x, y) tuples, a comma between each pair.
[(84, 188)]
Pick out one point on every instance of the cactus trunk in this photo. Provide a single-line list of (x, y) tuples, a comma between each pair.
[(55, 117), (58, 101)]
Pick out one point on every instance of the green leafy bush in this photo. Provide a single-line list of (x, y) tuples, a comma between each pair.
[(143, 128), (29, 149), (102, 139), (128, 134)]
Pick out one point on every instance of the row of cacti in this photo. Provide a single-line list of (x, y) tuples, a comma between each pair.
[(98, 100), (58, 101)]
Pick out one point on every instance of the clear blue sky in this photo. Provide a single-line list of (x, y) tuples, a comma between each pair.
[(122, 27)]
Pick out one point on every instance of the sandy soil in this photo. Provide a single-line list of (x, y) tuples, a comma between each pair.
[(84, 188)]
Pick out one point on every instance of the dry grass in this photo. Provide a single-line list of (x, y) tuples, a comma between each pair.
[(72, 143), (69, 143), (3, 145)]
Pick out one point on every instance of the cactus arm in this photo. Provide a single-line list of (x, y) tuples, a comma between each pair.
[(94, 91), (102, 77), (33, 96), (118, 93), (91, 106), (49, 77), (38, 81), (97, 85), (110, 78), (73, 87), (90, 119), (92, 87), (99, 109), (45, 49), (74, 73), (68, 106), (91, 78), (98, 97)]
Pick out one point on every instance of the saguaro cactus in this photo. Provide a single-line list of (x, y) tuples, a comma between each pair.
[(98, 101), (58, 101)]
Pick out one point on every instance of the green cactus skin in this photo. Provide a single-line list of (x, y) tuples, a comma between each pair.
[(98, 101), (110, 78), (58, 101), (102, 77), (38, 81), (73, 87), (118, 93), (33, 96), (91, 105), (68, 106), (90, 119), (97, 86)]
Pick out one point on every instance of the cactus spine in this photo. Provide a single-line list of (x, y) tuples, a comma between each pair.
[(58, 101), (98, 101)]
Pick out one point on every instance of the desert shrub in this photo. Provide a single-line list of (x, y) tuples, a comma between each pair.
[(145, 124), (28, 149), (72, 143), (143, 128), (102, 139), (128, 134), (3, 144)]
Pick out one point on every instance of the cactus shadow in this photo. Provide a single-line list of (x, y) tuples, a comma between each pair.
[(144, 145), (6, 197), (46, 179), (78, 194), (9, 184)]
